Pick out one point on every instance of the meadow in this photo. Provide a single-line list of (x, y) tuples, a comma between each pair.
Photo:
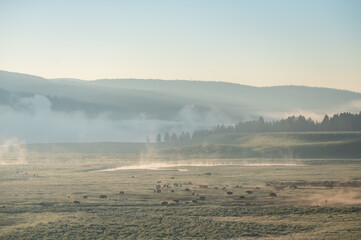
[(152, 191)]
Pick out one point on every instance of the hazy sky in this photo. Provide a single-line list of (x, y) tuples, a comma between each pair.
[(261, 43)]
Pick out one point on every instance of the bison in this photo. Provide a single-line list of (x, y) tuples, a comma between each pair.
[(272, 194)]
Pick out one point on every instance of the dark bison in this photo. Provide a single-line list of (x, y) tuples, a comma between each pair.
[(76, 202), (229, 193), (194, 201), (85, 196), (241, 197), (249, 192), (202, 198), (103, 196), (272, 194), (121, 192), (164, 203), (187, 190)]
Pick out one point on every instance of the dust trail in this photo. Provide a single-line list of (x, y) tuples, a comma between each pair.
[(339, 198), (12, 152)]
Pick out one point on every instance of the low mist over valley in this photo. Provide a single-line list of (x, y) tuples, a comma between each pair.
[(39, 110)]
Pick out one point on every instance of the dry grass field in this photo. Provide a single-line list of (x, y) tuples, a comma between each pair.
[(134, 195)]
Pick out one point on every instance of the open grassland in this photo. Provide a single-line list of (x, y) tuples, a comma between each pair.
[(97, 191), (227, 186), (273, 145)]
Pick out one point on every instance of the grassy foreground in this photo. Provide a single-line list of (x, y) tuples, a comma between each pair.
[(57, 195)]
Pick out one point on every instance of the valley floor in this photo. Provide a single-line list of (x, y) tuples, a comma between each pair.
[(58, 196)]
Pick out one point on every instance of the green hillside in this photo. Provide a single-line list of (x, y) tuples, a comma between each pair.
[(274, 145)]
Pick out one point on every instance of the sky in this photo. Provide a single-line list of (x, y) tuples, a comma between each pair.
[(254, 42)]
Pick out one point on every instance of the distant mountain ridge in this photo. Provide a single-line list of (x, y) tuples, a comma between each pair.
[(163, 105), (175, 93)]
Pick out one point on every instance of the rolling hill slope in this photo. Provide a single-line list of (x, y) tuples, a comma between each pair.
[(130, 109)]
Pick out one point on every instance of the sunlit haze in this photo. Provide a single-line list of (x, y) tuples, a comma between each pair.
[(180, 119), (259, 43)]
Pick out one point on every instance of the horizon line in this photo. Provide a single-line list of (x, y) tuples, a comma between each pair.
[(189, 80)]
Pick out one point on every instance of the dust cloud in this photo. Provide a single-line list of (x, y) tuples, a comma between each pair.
[(12, 152), (340, 198)]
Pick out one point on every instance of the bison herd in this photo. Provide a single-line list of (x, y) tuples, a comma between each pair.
[(197, 192), (193, 189), (102, 196)]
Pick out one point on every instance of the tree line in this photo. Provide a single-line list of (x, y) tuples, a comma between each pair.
[(174, 138), (338, 122)]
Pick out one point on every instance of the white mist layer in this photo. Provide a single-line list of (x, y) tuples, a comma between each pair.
[(33, 120), (271, 164), (165, 166), (171, 166)]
